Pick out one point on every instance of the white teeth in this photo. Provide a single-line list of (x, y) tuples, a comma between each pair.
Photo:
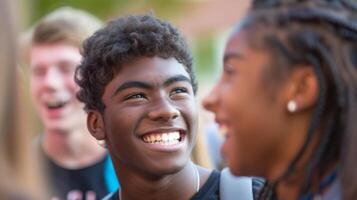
[(176, 135), (169, 138), (165, 137), (151, 138)]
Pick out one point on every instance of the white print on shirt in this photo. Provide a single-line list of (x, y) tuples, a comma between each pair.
[(78, 195)]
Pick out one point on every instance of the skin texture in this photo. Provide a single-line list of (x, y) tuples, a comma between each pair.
[(149, 95), (262, 135)]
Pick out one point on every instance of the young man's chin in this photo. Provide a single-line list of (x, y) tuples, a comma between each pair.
[(58, 125), (172, 165), (164, 170)]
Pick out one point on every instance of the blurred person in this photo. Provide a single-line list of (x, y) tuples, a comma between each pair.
[(18, 172), (287, 98), (137, 82), (76, 166)]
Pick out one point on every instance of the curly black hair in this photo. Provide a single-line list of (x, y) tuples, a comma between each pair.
[(323, 35), (122, 41)]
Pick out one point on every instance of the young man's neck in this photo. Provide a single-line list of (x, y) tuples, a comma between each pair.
[(72, 150), (179, 186)]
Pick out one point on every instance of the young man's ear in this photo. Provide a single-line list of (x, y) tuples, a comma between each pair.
[(303, 89), (95, 124)]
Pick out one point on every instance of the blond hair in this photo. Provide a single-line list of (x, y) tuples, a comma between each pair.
[(63, 25), (66, 25)]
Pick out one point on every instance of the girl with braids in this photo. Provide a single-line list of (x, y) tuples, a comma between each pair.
[(287, 98)]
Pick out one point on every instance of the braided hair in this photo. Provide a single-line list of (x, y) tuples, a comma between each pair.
[(323, 35)]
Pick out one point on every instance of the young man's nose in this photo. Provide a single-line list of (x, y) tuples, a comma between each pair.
[(54, 78), (164, 110)]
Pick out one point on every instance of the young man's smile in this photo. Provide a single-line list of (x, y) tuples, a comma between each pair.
[(165, 139)]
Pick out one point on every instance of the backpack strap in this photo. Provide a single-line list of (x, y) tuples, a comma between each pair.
[(110, 196), (235, 188)]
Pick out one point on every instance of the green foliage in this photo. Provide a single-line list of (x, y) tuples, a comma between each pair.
[(105, 9), (205, 55)]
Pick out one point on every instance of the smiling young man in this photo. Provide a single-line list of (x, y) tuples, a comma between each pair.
[(76, 166), (138, 86)]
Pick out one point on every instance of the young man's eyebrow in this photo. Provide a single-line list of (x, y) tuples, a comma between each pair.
[(177, 78), (132, 84), (144, 85)]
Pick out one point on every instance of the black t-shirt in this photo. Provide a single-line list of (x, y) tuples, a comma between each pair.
[(209, 191), (88, 183)]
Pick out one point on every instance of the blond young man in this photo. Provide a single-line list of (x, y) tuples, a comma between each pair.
[(76, 166)]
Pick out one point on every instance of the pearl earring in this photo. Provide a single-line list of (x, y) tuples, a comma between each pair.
[(102, 143), (292, 106)]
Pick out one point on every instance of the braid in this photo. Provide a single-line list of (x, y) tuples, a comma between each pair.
[(313, 166), (348, 162), (270, 4), (314, 32), (325, 140)]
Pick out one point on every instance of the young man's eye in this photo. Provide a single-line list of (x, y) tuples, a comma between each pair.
[(180, 90), (136, 96), (67, 67)]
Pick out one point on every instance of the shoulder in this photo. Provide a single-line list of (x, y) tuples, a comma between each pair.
[(210, 189)]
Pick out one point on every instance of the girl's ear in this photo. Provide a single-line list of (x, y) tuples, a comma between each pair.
[(303, 89)]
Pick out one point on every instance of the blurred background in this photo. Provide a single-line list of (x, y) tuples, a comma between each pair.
[(205, 23)]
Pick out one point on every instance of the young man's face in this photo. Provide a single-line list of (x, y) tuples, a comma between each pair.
[(150, 116), (53, 88)]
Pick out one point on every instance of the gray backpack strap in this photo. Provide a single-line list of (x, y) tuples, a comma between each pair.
[(108, 196), (235, 188)]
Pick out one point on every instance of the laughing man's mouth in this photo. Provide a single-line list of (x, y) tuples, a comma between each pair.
[(55, 104), (169, 138)]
